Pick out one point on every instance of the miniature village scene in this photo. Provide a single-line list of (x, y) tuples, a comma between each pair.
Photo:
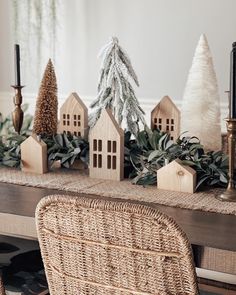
[(110, 139), (118, 147)]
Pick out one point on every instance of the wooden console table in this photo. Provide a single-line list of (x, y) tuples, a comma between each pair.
[(18, 203), (205, 230)]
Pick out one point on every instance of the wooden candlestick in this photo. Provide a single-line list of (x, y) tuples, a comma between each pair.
[(17, 114), (230, 194)]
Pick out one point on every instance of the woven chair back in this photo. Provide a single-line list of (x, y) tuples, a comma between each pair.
[(98, 247), (2, 290)]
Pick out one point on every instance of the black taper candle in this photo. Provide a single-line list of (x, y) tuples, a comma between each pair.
[(232, 107), (17, 65)]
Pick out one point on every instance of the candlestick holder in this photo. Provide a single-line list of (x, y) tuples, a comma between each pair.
[(17, 114), (230, 194)]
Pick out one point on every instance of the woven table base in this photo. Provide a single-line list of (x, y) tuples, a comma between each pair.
[(78, 181)]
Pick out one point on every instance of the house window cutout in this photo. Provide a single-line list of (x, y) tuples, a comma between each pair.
[(95, 144), (99, 145), (77, 121), (64, 116), (97, 157), (114, 146), (155, 120), (95, 160), (109, 146), (114, 162), (64, 122), (108, 162), (160, 120), (99, 161), (79, 133)]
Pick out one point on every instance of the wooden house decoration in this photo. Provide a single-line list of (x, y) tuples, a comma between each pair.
[(177, 177), (106, 148), (74, 117), (166, 117), (34, 155)]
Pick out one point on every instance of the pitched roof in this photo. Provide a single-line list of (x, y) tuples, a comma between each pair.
[(177, 162), (166, 97), (79, 100), (33, 137), (108, 113)]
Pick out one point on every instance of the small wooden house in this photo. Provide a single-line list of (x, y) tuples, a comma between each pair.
[(34, 155), (166, 117), (177, 177), (74, 117), (106, 148)]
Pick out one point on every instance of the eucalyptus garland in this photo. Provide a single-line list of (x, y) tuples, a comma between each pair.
[(66, 149), (61, 147), (153, 149), (10, 141), (144, 155)]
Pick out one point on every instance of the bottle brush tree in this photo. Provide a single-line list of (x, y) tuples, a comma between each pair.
[(200, 114), (45, 118), (115, 90)]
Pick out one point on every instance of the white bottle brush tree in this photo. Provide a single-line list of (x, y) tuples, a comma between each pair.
[(115, 90), (200, 114)]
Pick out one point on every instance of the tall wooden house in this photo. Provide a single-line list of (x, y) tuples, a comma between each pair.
[(34, 155), (74, 117), (106, 148), (166, 117)]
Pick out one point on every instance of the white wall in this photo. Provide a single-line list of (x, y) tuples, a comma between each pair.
[(159, 35), (6, 47)]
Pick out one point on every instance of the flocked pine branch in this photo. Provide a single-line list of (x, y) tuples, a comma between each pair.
[(115, 90)]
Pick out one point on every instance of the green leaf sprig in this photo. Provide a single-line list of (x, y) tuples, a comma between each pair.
[(153, 149), (66, 149)]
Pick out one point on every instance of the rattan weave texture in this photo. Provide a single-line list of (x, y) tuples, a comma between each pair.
[(100, 247), (2, 290)]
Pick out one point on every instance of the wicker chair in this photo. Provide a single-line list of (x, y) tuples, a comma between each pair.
[(2, 290), (92, 246)]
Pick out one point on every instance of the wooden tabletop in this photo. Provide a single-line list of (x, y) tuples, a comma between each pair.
[(202, 228)]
